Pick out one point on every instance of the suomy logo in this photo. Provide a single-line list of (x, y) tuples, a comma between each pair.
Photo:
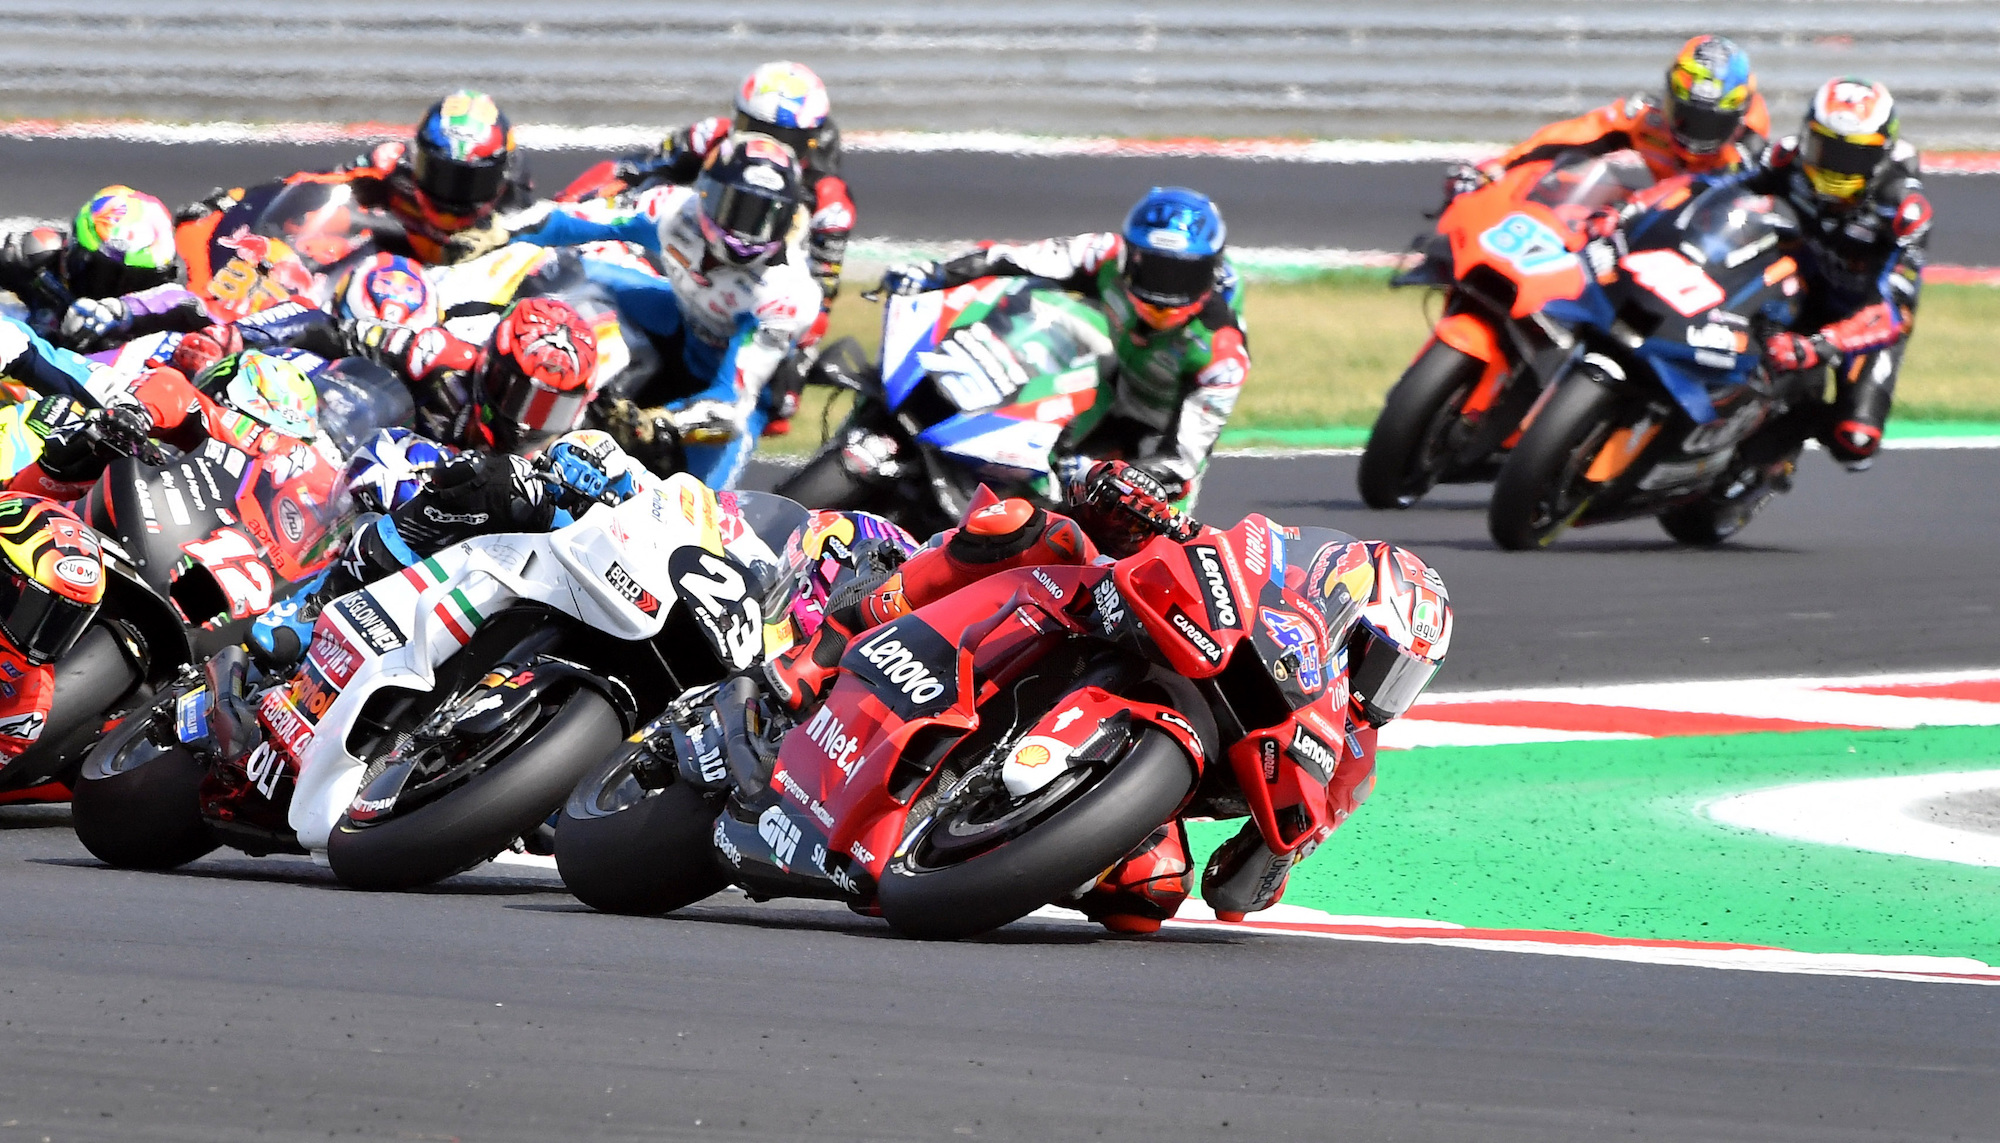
[(901, 669), (1221, 600)]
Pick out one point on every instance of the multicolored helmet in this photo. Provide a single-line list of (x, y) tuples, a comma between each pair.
[(1709, 88), (786, 101), (51, 576), (387, 288), (1849, 134), (388, 470), (539, 370), (120, 241), (1173, 251), (1392, 613), (750, 189), (268, 388), (822, 555), (463, 157)]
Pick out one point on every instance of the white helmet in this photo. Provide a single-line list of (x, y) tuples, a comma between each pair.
[(786, 101)]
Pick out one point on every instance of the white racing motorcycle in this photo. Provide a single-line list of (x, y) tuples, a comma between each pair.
[(442, 715)]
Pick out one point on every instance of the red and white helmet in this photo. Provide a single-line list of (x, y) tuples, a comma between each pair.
[(1850, 132), (387, 288), (1396, 617), (539, 371)]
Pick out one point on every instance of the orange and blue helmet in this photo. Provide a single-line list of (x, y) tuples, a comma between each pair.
[(51, 576), (1173, 252), (1709, 89)]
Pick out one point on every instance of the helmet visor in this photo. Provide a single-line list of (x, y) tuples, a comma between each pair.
[(1702, 130), (532, 407), (42, 625), (458, 188), (97, 274), (1839, 168), (1383, 677), (802, 140), (745, 214), (1168, 281)]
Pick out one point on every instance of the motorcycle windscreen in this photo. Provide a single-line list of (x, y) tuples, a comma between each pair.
[(1579, 183), (323, 222), (994, 445), (357, 398)]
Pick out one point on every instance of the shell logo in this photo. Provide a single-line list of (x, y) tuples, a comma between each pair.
[(1031, 756)]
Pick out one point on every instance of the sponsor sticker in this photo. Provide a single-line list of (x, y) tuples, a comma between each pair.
[(366, 618), (1315, 756), (1219, 597), (1191, 631), (908, 665)]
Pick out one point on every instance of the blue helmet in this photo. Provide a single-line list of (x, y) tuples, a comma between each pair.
[(1173, 249), (388, 470)]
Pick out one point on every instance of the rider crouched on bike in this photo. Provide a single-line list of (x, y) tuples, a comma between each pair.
[(1176, 319), (737, 295), (120, 242), (444, 185), (1866, 223), (470, 494), (1118, 508), (788, 102), (1713, 120)]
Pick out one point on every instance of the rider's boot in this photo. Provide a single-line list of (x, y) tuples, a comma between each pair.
[(1145, 889), (1244, 876)]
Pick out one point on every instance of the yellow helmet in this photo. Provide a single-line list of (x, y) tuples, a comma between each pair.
[(51, 576)]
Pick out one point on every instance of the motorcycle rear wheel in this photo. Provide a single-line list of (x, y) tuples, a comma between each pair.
[(1107, 819), (475, 821), (1541, 487), (137, 804), (1410, 447), (623, 849)]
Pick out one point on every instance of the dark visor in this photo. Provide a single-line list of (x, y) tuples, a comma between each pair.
[(1165, 280), (1838, 155), (42, 625), (800, 139), (95, 274), (450, 183), (745, 213), (1702, 128)]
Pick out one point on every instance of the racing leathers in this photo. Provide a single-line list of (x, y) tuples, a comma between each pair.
[(1863, 268), (1173, 390), (47, 369), (733, 323), (678, 160), (1638, 123), (29, 262)]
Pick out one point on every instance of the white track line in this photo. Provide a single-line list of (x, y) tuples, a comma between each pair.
[(1875, 814)]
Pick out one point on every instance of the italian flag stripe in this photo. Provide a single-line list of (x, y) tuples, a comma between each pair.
[(459, 616), (424, 573)]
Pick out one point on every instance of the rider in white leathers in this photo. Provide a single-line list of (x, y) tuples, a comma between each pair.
[(737, 291)]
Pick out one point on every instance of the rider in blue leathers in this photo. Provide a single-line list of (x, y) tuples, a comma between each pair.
[(737, 291)]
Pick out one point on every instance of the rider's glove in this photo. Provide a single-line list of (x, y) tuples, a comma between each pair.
[(475, 241), (1127, 506), (647, 435), (204, 347), (912, 278), (706, 422), (1791, 352), (204, 206), (91, 321), (1462, 178), (121, 431), (484, 492), (1604, 222)]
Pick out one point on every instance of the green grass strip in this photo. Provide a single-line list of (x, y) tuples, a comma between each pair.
[(1604, 837)]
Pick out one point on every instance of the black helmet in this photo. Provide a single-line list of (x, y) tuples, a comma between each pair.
[(463, 156), (750, 193)]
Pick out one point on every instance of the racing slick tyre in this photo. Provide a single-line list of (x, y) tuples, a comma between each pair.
[(505, 798), (90, 683), (1709, 521), (622, 848), (137, 802), (977, 864), (1541, 488), (1416, 434)]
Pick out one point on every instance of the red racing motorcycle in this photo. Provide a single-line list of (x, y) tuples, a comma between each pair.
[(992, 752)]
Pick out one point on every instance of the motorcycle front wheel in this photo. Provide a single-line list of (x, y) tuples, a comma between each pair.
[(1076, 827), (1419, 429), (483, 815), (1542, 487), (622, 848)]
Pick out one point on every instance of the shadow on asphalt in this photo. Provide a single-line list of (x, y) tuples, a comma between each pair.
[(315, 877)]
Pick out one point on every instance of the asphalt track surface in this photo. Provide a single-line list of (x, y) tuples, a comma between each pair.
[(942, 197), (245, 998)]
